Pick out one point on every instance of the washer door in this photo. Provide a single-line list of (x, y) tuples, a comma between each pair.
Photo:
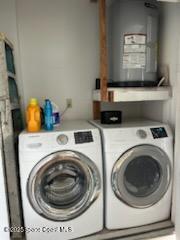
[(141, 176), (63, 185)]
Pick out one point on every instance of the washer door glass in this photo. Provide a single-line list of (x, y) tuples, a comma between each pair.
[(141, 176), (63, 185)]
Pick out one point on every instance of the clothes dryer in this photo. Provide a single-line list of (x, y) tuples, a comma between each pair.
[(138, 161)]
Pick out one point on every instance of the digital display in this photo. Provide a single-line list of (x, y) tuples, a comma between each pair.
[(83, 137), (159, 132)]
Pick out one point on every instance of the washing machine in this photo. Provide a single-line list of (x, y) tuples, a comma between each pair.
[(4, 219), (61, 181), (138, 161)]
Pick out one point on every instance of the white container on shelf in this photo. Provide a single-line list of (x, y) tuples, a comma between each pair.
[(56, 114)]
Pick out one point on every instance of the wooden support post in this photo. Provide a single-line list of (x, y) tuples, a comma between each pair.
[(111, 96), (96, 110), (103, 61), (103, 51)]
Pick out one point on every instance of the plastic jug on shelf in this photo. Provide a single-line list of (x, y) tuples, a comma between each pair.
[(33, 116), (56, 114)]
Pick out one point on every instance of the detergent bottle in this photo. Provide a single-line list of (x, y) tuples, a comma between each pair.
[(33, 116), (48, 115)]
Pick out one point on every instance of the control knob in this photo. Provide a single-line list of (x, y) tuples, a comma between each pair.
[(141, 134), (62, 139)]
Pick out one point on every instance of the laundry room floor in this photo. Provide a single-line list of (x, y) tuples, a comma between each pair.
[(173, 237), (169, 237)]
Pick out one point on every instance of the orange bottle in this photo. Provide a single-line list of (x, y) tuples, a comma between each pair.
[(33, 116)]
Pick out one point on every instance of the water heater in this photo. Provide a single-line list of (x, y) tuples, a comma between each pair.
[(132, 43)]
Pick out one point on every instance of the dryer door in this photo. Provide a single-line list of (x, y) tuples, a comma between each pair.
[(63, 185), (141, 176)]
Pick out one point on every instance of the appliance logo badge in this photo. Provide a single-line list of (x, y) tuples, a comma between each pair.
[(34, 136), (114, 119)]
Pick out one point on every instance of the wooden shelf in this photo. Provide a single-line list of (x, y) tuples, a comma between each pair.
[(135, 94)]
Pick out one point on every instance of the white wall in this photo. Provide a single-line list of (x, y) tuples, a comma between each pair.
[(129, 110), (57, 52), (59, 46), (8, 19), (169, 49)]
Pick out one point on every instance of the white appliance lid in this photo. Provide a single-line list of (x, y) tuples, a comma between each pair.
[(128, 123), (67, 126)]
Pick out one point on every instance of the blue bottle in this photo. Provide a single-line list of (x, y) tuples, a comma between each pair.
[(48, 115)]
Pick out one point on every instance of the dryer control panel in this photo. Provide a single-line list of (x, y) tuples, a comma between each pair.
[(83, 137), (159, 132)]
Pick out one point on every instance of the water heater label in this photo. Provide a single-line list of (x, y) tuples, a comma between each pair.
[(135, 39), (134, 60), (134, 54), (134, 48)]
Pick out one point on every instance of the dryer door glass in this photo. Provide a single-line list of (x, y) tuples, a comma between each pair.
[(63, 185), (141, 176)]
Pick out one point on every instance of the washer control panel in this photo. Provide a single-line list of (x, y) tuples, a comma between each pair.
[(141, 134), (159, 132), (83, 137), (62, 139)]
